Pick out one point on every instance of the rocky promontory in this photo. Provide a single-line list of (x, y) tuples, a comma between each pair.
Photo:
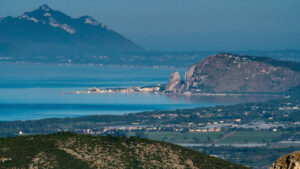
[(228, 73), (224, 74)]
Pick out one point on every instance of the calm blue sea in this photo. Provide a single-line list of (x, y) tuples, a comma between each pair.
[(33, 91)]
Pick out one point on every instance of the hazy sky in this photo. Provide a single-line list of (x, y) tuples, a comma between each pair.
[(187, 24)]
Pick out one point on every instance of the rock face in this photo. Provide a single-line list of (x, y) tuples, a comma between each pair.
[(174, 82), (228, 73), (290, 161), (47, 32)]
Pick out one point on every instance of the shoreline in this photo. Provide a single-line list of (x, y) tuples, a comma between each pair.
[(156, 90)]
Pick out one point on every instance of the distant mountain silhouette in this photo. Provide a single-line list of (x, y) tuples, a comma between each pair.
[(48, 32)]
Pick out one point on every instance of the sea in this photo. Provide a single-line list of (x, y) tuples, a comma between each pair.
[(35, 91)]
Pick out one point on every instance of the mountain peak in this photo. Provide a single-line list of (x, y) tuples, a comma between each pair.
[(38, 14), (44, 24), (44, 7)]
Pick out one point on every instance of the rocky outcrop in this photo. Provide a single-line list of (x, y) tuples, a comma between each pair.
[(174, 82), (228, 73), (290, 161), (188, 77)]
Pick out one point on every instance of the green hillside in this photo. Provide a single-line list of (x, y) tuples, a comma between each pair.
[(68, 150)]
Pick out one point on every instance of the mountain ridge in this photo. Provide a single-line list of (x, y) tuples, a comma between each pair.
[(68, 150)]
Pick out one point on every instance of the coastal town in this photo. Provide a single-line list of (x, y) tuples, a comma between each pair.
[(156, 90), (189, 127), (276, 117)]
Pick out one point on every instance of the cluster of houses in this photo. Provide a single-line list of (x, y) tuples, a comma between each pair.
[(204, 130), (95, 90), (125, 90)]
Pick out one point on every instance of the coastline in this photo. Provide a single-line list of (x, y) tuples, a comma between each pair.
[(157, 90)]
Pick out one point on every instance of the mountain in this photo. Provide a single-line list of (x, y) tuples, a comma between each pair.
[(67, 150), (290, 161), (47, 32), (229, 73)]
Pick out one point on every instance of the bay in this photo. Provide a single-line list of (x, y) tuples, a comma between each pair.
[(34, 91)]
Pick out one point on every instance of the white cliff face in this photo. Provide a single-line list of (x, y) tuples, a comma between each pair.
[(24, 16), (47, 14), (173, 82), (65, 27), (91, 21)]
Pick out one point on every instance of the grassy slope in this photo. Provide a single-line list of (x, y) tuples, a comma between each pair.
[(66, 150)]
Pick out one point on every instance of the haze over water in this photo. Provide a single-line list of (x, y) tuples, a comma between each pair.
[(33, 91)]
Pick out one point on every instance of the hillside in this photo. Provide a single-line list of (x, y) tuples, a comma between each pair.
[(290, 161), (45, 32), (66, 150), (229, 73)]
